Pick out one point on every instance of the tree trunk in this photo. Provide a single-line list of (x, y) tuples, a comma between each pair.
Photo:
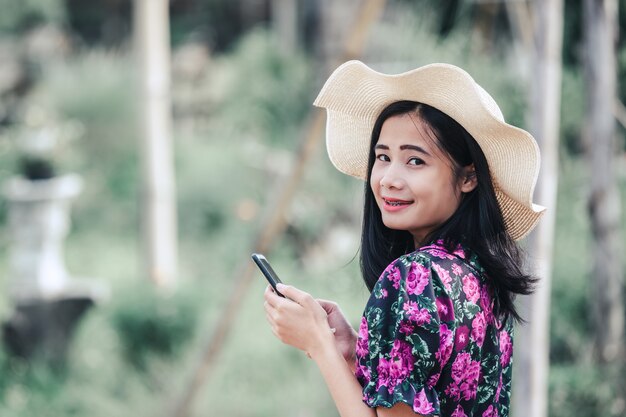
[(600, 21), (158, 194), (530, 397), (285, 22)]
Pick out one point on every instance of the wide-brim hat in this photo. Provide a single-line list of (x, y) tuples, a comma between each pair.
[(354, 95)]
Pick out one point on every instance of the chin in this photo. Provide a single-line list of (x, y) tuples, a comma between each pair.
[(395, 225)]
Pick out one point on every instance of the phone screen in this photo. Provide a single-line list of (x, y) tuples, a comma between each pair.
[(267, 271)]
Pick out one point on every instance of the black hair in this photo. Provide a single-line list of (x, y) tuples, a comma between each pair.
[(485, 235)]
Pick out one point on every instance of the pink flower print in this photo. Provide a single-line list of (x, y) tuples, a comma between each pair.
[(417, 279), (491, 411), (458, 412), (471, 287), (363, 330), (459, 252), (406, 327), (432, 381), (384, 293), (398, 367), (443, 275), (456, 269), (453, 391), (402, 350), (506, 348), (465, 373), (384, 375), (462, 338), (486, 303), (421, 405), (394, 275), (362, 340), (479, 328), (438, 250), (445, 308), (446, 342), (363, 373), (417, 315), (499, 389)]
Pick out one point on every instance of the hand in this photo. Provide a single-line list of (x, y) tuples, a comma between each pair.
[(345, 335), (298, 320)]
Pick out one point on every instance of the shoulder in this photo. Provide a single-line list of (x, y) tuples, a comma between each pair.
[(410, 273)]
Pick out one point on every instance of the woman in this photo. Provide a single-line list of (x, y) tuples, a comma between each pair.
[(448, 190)]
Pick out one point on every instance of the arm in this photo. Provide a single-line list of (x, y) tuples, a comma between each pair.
[(346, 390), (300, 321)]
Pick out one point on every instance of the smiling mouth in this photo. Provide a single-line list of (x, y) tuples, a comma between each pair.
[(396, 203)]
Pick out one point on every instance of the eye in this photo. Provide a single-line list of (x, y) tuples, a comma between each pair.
[(382, 157), (416, 161)]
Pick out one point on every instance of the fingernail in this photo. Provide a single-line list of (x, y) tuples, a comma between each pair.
[(279, 286)]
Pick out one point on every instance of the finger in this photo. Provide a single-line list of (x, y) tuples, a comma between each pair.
[(269, 309), (270, 320), (271, 297), (301, 297), (327, 305)]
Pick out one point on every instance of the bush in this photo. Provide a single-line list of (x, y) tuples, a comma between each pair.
[(587, 390), (151, 324), (20, 14)]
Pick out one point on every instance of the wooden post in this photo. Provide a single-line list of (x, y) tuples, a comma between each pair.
[(600, 63), (530, 387), (285, 22), (158, 193)]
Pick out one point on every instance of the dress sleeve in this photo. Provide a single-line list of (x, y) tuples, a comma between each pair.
[(399, 350)]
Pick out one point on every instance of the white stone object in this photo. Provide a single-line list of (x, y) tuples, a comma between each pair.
[(38, 218)]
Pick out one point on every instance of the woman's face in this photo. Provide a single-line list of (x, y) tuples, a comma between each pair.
[(413, 180)]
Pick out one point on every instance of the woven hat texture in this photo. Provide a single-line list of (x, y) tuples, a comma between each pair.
[(354, 95)]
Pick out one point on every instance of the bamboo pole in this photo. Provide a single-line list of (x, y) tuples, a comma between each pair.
[(530, 388), (158, 189), (274, 223), (604, 206)]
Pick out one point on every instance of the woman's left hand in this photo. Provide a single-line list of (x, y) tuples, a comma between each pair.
[(298, 320)]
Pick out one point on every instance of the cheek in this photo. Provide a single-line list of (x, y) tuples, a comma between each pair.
[(375, 181)]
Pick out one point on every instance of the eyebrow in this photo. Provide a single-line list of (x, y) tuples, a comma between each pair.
[(404, 148)]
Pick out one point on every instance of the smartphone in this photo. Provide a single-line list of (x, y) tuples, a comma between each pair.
[(268, 271)]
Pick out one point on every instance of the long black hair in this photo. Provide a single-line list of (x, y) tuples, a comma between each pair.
[(477, 224)]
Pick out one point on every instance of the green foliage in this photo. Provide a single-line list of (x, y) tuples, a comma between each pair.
[(219, 22), (571, 325), (149, 323), (393, 49), (21, 14), (260, 91), (586, 390), (572, 110), (95, 91)]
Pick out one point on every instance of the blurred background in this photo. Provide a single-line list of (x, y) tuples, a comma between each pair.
[(148, 147)]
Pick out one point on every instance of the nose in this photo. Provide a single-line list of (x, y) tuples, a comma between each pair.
[(391, 178)]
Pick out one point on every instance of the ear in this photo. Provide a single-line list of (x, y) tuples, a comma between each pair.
[(468, 180)]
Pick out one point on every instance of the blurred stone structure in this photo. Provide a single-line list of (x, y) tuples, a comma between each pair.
[(48, 303)]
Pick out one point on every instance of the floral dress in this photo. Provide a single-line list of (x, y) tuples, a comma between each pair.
[(428, 338)]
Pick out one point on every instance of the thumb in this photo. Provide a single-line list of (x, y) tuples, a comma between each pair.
[(328, 306), (291, 292)]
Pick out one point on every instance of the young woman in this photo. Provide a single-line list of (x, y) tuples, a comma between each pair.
[(448, 190)]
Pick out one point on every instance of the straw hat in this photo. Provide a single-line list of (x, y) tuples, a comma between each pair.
[(354, 95)]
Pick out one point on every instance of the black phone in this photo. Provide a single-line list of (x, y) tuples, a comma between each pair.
[(268, 271)]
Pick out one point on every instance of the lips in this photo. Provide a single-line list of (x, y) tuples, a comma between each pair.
[(396, 202), (392, 205)]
